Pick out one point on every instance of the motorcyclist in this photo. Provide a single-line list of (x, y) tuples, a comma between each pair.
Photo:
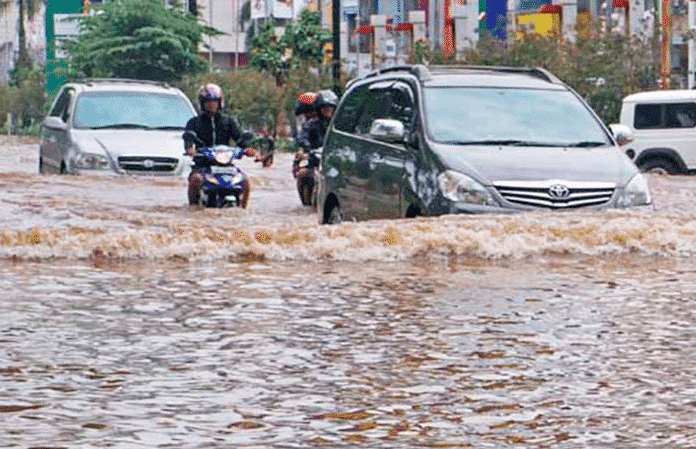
[(311, 137), (313, 131), (304, 110), (213, 128)]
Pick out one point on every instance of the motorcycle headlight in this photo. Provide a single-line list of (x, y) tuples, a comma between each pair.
[(91, 161), (223, 157), (636, 192), (460, 188)]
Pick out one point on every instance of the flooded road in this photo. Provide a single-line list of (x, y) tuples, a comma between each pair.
[(130, 320)]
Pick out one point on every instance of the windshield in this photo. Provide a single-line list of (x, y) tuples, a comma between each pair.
[(504, 116), (131, 110)]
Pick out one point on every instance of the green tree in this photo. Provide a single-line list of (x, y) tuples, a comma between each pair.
[(300, 46), (141, 39), (305, 40), (266, 52)]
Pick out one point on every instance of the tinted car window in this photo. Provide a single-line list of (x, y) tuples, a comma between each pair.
[(680, 115), (386, 100), (347, 115), (106, 109), (648, 116), (666, 115), (62, 105), (527, 116), (377, 105), (402, 104)]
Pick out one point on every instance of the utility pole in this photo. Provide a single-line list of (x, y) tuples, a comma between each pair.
[(691, 57), (235, 29), (666, 43), (336, 51)]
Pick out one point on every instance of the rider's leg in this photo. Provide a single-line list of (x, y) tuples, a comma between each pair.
[(194, 188), (244, 197)]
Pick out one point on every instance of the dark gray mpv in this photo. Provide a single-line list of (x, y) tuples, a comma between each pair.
[(410, 141)]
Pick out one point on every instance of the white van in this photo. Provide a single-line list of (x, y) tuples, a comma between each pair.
[(664, 127)]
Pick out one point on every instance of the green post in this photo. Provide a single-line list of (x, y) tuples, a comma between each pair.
[(53, 77)]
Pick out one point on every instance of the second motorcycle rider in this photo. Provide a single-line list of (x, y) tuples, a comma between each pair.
[(309, 140)]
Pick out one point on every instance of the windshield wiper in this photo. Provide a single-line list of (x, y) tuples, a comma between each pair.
[(587, 144), (121, 125), (509, 142), (175, 127)]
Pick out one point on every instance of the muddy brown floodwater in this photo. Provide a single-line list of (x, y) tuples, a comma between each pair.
[(129, 320)]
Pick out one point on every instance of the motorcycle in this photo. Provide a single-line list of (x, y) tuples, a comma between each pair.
[(223, 182), (305, 169)]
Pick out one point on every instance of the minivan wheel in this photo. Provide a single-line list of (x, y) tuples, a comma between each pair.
[(334, 216), (660, 166), (413, 211)]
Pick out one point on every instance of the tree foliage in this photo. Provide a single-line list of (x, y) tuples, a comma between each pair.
[(266, 52), (305, 40), (141, 39), (300, 46)]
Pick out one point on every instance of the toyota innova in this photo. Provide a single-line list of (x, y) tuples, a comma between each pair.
[(410, 141)]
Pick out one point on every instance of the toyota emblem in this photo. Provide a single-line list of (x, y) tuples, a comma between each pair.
[(148, 163), (559, 191)]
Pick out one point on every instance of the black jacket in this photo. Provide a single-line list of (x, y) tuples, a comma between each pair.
[(225, 130), (312, 134)]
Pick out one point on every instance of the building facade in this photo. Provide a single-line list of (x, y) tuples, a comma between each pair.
[(34, 31)]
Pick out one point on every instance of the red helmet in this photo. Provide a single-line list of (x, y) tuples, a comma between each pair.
[(305, 103), (209, 92)]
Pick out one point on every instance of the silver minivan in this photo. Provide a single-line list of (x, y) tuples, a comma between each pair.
[(116, 126), (409, 141)]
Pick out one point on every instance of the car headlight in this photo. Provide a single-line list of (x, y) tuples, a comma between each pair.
[(460, 188), (91, 161), (636, 192)]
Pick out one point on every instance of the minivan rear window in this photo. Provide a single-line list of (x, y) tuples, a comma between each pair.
[(664, 115)]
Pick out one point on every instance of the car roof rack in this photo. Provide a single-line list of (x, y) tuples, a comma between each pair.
[(537, 72), (419, 71), (125, 80), (425, 73)]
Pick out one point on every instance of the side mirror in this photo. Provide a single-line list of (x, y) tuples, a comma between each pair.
[(622, 134), (52, 122), (388, 130)]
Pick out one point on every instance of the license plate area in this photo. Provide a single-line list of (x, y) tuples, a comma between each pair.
[(223, 170)]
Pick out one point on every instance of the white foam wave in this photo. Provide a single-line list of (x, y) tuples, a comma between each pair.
[(488, 237)]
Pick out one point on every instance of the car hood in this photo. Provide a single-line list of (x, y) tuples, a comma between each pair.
[(131, 142), (489, 164)]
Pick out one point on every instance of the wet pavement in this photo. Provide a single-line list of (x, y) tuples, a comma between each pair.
[(130, 320)]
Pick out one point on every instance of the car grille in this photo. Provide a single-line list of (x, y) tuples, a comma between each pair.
[(147, 164), (556, 194)]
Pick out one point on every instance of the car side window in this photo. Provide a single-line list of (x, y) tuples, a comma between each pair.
[(377, 105), (347, 116), (665, 115), (647, 116), (402, 104), (61, 108), (680, 115)]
